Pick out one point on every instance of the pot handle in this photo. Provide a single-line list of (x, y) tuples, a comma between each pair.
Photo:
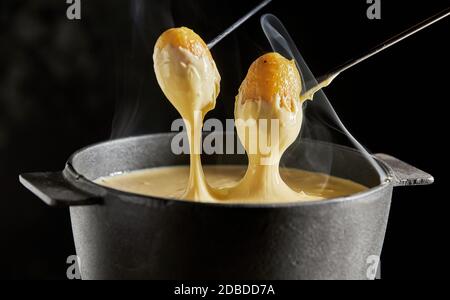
[(403, 174), (55, 190)]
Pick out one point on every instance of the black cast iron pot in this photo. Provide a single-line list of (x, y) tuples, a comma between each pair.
[(120, 235)]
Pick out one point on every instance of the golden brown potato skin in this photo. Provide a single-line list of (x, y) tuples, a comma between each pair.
[(185, 38), (271, 75)]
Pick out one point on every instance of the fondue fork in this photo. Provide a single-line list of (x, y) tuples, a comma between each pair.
[(325, 80), (238, 23)]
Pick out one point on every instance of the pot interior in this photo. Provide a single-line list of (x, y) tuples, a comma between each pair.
[(152, 151)]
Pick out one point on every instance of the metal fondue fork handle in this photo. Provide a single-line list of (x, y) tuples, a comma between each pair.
[(238, 23), (325, 80)]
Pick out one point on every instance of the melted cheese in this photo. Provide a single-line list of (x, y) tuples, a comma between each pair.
[(171, 182)]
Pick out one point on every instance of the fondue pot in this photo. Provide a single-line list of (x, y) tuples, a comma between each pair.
[(120, 235)]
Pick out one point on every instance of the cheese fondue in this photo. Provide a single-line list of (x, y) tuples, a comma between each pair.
[(268, 115)]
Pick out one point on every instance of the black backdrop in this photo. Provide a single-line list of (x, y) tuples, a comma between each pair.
[(66, 84)]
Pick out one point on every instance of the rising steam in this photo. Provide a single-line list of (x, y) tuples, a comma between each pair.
[(321, 123), (134, 72)]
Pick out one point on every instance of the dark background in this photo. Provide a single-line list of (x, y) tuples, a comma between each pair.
[(66, 84)]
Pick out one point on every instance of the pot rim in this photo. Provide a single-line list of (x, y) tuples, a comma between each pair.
[(81, 182)]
